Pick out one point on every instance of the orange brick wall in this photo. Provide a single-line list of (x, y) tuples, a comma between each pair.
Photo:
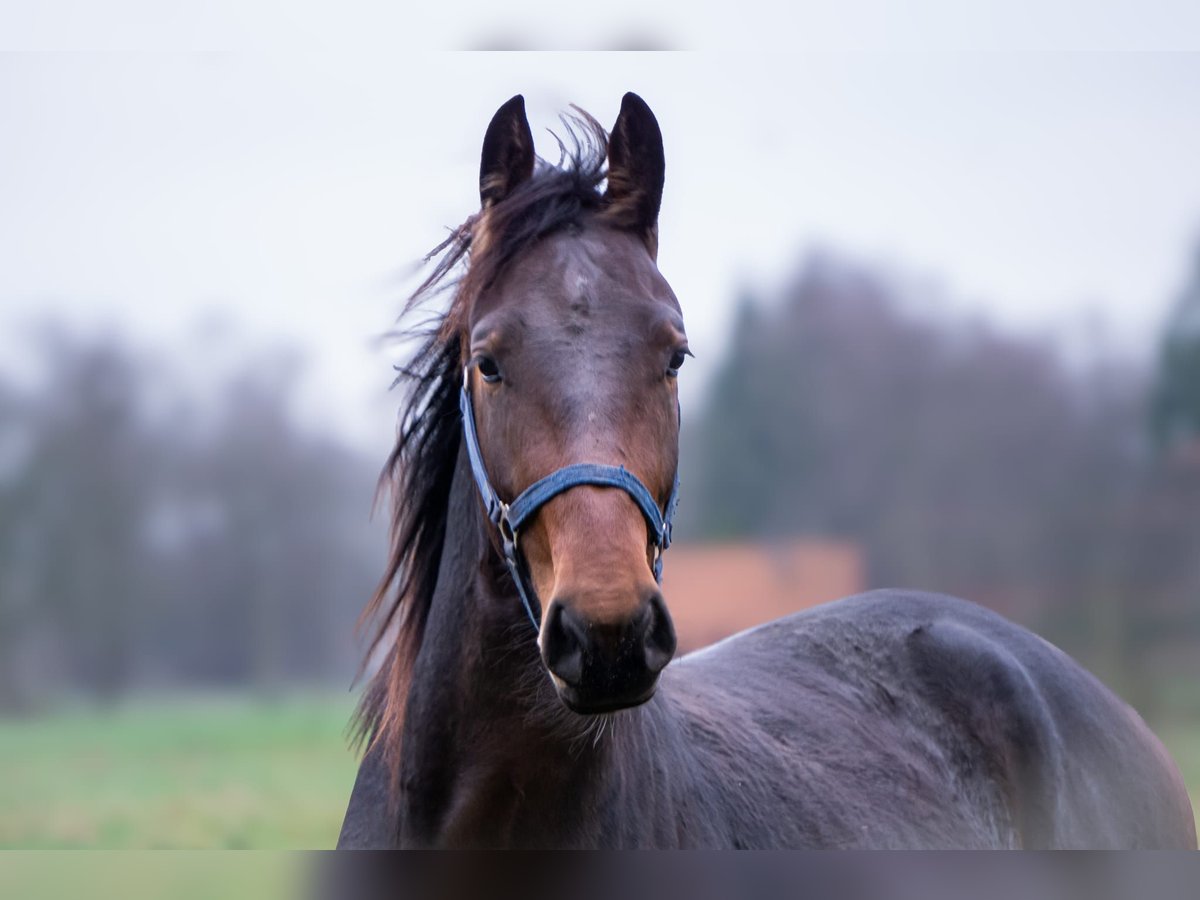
[(715, 590)]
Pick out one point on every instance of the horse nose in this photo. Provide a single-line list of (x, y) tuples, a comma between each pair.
[(586, 654), (658, 634), (563, 637)]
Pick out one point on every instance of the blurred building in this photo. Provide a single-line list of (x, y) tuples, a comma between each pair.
[(715, 590)]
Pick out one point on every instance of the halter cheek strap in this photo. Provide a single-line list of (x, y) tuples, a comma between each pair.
[(510, 517)]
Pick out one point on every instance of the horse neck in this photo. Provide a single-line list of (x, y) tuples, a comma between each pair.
[(487, 746)]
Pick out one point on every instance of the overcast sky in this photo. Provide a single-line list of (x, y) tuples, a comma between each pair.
[(292, 192)]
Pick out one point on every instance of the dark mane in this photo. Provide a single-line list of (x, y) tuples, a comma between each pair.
[(418, 473)]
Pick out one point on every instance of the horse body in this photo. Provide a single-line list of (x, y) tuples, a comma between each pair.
[(892, 719)]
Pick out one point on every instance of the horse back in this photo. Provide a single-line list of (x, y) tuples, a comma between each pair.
[(997, 734)]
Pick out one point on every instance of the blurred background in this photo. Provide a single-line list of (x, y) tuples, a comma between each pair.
[(946, 316)]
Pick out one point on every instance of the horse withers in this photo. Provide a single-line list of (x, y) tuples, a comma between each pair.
[(525, 698)]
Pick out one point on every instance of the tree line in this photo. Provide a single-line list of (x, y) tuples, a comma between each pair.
[(965, 459), (156, 536), (152, 536)]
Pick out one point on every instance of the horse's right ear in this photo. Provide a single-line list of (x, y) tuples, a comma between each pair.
[(507, 153)]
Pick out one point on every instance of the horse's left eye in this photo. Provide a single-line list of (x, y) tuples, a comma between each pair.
[(676, 363)]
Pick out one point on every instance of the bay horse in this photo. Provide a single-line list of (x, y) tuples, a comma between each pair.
[(534, 480)]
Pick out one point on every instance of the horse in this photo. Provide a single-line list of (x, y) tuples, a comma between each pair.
[(528, 695)]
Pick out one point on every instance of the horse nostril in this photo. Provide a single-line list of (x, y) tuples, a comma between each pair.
[(658, 640), (562, 644)]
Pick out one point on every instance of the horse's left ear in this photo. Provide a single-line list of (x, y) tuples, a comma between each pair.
[(636, 169)]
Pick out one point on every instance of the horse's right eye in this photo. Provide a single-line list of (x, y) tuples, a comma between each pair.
[(488, 370)]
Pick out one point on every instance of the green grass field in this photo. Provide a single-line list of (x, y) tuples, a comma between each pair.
[(1184, 743), (220, 773), (230, 773)]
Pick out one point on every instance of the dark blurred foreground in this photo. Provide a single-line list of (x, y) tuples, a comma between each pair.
[(754, 876), (589, 876)]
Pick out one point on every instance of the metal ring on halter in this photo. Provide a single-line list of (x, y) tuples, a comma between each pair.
[(507, 532)]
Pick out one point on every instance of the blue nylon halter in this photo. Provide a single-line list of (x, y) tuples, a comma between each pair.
[(510, 517)]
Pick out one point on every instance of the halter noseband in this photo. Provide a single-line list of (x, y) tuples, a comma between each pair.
[(509, 517)]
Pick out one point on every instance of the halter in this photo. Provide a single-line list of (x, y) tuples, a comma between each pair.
[(510, 517)]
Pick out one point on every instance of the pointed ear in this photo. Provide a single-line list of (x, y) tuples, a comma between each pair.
[(507, 152), (636, 168)]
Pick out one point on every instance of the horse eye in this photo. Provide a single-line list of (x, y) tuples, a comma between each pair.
[(488, 370), (677, 359)]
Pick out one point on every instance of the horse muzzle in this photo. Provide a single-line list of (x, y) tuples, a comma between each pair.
[(602, 667)]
